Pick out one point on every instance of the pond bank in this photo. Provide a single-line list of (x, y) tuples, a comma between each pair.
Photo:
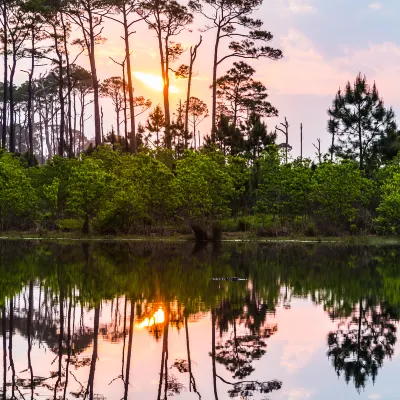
[(226, 237)]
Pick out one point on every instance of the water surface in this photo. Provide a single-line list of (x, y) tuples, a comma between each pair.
[(146, 321)]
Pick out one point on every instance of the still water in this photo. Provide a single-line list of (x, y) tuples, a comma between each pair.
[(147, 321)]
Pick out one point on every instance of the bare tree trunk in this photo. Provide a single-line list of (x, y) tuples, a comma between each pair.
[(125, 105), (69, 85), (130, 84), (5, 80), (214, 88), (12, 122), (30, 98), (193, 55), (95, 82), (75, 118)]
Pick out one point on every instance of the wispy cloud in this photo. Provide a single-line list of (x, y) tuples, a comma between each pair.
[(300, 7), (375, 6), (307, 71)]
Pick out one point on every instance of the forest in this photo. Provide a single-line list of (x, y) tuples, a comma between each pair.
[(154, 173)]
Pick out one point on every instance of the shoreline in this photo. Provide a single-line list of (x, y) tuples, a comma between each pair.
[(227, 237)]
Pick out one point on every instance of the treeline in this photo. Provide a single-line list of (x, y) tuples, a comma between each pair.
[(46, 115), (111, 191)]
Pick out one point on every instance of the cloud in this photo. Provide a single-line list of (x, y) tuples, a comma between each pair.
[(300, 7), (375, 396), (306, 71), (375, 6), (300, 394)]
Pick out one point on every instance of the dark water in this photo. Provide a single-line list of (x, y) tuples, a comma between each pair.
[(142, 321)]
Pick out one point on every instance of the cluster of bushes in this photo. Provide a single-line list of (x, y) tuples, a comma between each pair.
[(113, 192)]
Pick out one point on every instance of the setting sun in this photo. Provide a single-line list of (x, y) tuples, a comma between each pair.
[(154, 81)]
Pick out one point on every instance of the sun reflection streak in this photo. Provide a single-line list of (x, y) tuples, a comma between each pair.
[(157, 318)]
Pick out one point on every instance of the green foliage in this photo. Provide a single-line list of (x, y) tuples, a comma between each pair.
[(284, 188), (18, 200), (89, 185), (142, 194), (362, 128), (205, 187), (388, 220), (338, 192)]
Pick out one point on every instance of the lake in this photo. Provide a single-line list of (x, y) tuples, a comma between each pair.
[(137, 320)]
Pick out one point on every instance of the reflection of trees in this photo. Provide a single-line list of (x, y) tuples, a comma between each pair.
[(362, 342), (171, 275), (239, 351)]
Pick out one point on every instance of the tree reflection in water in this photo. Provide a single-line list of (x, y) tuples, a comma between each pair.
[(362, 342), (54, 297)]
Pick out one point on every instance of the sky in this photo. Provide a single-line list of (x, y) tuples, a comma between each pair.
[(325, 43)]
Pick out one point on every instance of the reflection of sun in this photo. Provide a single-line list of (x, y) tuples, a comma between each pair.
[(154, 81), (157, 318)]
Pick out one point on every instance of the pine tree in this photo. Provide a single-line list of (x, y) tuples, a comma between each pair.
[(359, 121)]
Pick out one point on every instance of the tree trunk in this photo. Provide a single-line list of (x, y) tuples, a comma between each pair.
[(164, 74), (69, 86), (125, 106), (30, 100), (5, 79), (95, 82), (214, 88), (130, 84), (12, 121)]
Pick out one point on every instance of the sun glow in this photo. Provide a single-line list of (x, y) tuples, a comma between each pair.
[(157, 318), (154, 81)]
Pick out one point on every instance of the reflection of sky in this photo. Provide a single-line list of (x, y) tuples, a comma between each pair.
[(296, 355)]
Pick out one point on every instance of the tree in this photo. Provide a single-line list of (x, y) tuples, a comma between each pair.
[(88, 15), (241, 94), (360, 345), (388, 220), (156, 122), (359, 120), (198, 111), (17, 33), (186, 71), (168, 19), (88, 186), (258, 138), (113, 88), (128, 8), (339, 203), (18, 200), (205, 188), (82, 84), (232, 20)]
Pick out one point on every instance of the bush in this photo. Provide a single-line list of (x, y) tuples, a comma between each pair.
[(70, 224)]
